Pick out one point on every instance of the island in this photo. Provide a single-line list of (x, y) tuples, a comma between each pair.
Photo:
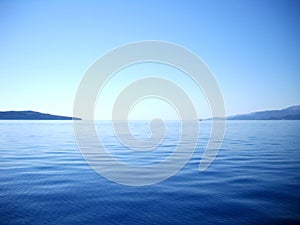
[(32, 115), (290, 113)]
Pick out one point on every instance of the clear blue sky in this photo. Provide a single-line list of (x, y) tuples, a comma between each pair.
[(252, 47)]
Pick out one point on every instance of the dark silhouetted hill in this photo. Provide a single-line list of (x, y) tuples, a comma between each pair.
[(290, 113), (31, 115)]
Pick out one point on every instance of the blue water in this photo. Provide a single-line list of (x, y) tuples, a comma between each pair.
[(254, 179)]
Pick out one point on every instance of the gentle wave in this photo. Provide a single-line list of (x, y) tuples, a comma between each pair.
[(254, 179)]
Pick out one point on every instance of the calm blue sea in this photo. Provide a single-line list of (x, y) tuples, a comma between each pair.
[(255, 179)]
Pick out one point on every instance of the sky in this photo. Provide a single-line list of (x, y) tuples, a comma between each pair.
[(252, 48)]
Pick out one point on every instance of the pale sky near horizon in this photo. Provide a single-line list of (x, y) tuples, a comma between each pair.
[(252, 48)]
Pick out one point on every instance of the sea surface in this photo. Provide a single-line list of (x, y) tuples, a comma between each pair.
[(255, 179)]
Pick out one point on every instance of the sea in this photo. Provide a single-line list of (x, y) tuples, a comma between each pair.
[(255, 178)]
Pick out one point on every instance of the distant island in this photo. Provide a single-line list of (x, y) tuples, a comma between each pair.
[(31, 115), (290, 113)]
